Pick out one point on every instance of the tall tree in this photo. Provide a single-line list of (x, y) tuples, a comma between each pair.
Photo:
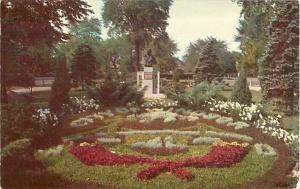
[(141, 20), (87, 31), (226, 59), (280, 75), (255, 17), (207, 67), (28, 23), (83, 65), (60, 88)]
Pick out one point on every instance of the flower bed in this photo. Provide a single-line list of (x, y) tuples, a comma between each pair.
[(220, 156)]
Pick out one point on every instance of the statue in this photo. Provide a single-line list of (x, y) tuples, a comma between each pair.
[(149, 59)]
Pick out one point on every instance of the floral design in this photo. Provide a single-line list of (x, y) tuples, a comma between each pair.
[(220, 156)]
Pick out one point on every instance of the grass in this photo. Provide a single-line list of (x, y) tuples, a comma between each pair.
[(244, 172)]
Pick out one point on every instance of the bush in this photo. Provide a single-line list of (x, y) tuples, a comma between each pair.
[(18, 122), (115, 93), (23, 121), (60, 88), (16, 155), (241, 92), (200, 93), (172, 88)]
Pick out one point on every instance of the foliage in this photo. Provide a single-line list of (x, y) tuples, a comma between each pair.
[(241, 92), (163, 49), (60, 88), (115, 47), (207, 68), (141, 20), (16, 156), (23, 121), (83, 65), (255, 17), (172, 88), (87, 31), (115, 93), (200, 93), (280, 67), (40, 22), (82, 104), (226, 59), (113, 125)]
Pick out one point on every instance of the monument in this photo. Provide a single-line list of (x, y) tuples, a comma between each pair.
[(148, 78)]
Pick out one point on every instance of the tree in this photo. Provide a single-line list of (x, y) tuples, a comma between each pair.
[(140, 20), (118, 48), (83, 65), (280, 74), (255, 17), (226, 59), (27, 24), (207, 67), (87, 31), (60, 88), (241, 92)]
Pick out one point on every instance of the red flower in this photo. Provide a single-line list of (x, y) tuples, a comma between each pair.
[(219, 156)]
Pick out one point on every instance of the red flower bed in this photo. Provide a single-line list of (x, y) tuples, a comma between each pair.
[(218, 157), (161, 151)]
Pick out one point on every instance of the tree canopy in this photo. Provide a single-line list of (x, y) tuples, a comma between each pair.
[(140, 20), (28, 24)]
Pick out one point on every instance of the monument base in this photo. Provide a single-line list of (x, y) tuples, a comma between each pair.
[(153, 96), (150, 80)]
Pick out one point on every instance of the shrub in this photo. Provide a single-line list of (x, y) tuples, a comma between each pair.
[(61, 86), (17, 121), (16, 155), (172, 88), (200, 93), (241, 92), (115, 93)]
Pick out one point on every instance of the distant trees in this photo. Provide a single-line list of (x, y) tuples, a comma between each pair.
[(226, 59), (163, 49), (83, 65), (207, 68), (280, 63), (140, 20)]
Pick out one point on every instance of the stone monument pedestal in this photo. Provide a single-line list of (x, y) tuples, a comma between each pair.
[(150, 80)]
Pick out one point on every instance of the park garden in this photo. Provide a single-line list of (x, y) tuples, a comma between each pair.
[(98, 127)]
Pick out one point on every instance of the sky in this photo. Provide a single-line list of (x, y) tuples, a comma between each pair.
[(195, 19)]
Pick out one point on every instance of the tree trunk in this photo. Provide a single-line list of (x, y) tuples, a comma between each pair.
[(137, 44), (4, 98)]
